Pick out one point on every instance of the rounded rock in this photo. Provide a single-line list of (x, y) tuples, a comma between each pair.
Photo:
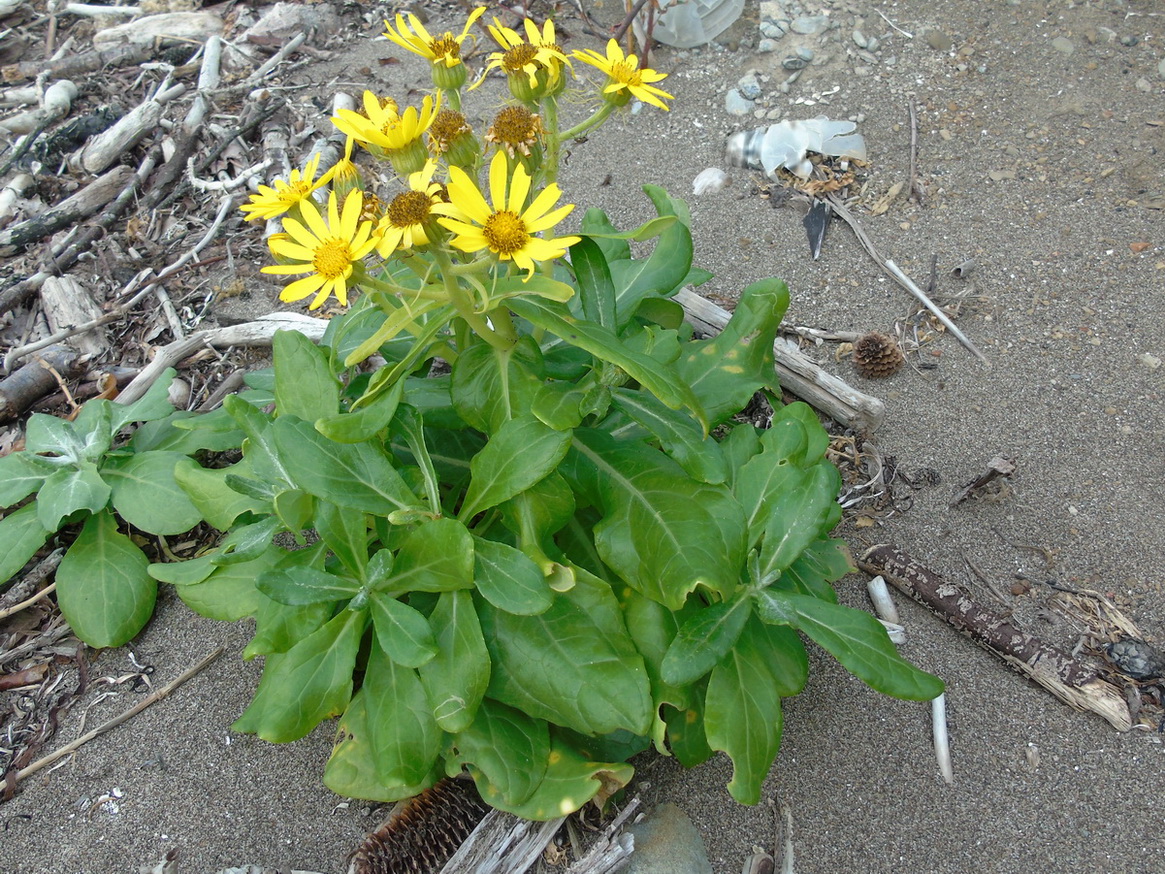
[(873, 44), (860, 40), (794, 63), (767, 46), (804, 54), (938, 41), (736, 103), (810, 24), (1064, 45)]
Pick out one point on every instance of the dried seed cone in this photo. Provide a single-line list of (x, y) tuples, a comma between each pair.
[(877, 356)]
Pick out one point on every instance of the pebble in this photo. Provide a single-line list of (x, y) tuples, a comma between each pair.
[(794, 63), (867, 57), (809, 24), (771, 30), (1143, 85), (736, 103), (749, 86), (860, 40), (767, 46), (938, 41), (1130, 40), (873, 44), (666, 842), (1063, 44)]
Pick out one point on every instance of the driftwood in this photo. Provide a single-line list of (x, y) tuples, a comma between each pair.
[(77, 65), (833, 396), (112, 144), (1073, 682), (70, 211), (67, 303), (502, 844), (37, 378)]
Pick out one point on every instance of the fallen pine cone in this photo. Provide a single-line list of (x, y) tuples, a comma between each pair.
[(877, 356)]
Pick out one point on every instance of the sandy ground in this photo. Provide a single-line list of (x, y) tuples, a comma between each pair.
[(1039, 166)]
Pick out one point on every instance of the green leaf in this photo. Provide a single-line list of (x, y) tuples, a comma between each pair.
[(304, 384), (259, 446), (743, 714), (403, 632), (492, 386), (294, 507), (21, 535), (573, 665), (365, 422), (456, 678), (507, 752), (357, 475), (227, 593), (596, 291), (151, 406), (653, 627), (539, 284), (21, 474), (307, 684), (353, 769), (435, 556), (662, 532), (657, 378), (823, 562), (725, 371), (69, 491), (703, 640), (216, 502), (45, 433), (410, 425), (278, 627), (298, 586), (680, 436), (800, 515), (345, 531), (103, 588), (147, 495), (559, 405), (571, 780), (508, 579), (404, 737), (665, 269), (597, 225), (521, 453), (685, 731), (249, 541), (854, 638)]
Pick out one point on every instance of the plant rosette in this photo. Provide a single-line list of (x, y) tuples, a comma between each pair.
[(531, 540)]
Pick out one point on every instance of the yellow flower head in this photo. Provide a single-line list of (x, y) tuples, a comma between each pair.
[(447, 126), (508, 227), (382, 127), (344, 175), (273, 201), (515, 129), (409, 217), (624, 78), (326, 250), (445, 49), (539, 58)]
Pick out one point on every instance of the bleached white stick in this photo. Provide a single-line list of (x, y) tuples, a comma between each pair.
[(942, 746), (883, 603), (110, 145)]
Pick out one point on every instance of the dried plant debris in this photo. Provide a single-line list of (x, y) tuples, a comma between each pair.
[(873, 484), (421, 834), (998, 470), (877, 356)]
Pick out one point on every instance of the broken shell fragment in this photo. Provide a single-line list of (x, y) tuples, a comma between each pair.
[(709, 181), (787, 144)]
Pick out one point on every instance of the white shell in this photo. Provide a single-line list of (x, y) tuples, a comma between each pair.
[(709, 181)]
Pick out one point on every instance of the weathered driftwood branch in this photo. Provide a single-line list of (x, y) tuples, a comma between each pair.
[(1071, 681), (112, 144), (69, 211), (255, 333), (67, 304), (37, 378), (77, 65), (833, 396), (502, 844)]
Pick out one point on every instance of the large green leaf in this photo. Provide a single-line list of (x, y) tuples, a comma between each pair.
[(535, 515), (663, 532), (765, 477), (403, 632), (227, 593), (308, 683), (21, 535), (259, 446), (345, 531), (434, 556), (662, 272), (703, 640), (365, 422), (521, 453), (596, 290), (614, 245), (686, 738), (147, 495), (507, 752), (21, 474), (151, 406), (409, 424), (508, 579), (799, 516), (357, 475), (726, 370), (405, 739), (573, 665), (216, 502), (854, 638), (823, 561), (657, 378), (103, 588), (742, 714), (491, 386), (653, 627), (304, 384), (680, 436), (299, 585), (456, 678), (71, 490)]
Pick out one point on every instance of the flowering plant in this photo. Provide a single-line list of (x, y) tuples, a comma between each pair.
[(521, 552)]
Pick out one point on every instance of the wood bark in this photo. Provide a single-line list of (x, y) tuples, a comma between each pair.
[(67, 304), (37, 378), (1073, 682), (80, 206), (800, 376), (73, 65)]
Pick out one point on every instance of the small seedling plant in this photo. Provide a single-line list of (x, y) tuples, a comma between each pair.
[(502, 519)]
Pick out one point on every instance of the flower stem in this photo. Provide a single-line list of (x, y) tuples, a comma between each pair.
[(464, 304), (583, 126), (553, 143)]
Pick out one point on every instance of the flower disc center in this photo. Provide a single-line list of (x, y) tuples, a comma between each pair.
[(410, 208), (332, 258), (505, 232)]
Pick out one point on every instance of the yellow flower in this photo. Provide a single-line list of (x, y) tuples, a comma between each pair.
[(515, 129), (327, 251), (508, 227), (344, 175), (520, 58), (381, 127), (624, 78), (445, 49), (404, 223), (273, 201)]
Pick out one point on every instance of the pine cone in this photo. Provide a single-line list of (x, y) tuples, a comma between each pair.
[(877, 356)]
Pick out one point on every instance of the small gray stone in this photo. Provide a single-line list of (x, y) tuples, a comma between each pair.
[(938, 41), (1161, 68), (1143, 85), (804, 54), (860, 40), (1063, 44), (666, 842), (873, 44), (770, 30), (1130, 40), (867, 57), (794, 63), (749, 86), (736, 103), (808, 24), (767, 46)]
